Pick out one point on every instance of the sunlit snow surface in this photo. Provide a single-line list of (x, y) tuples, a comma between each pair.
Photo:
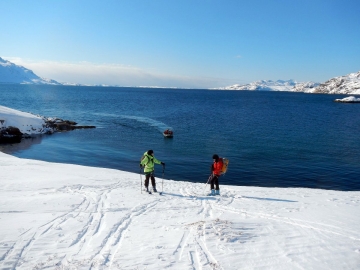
[(59, 216)]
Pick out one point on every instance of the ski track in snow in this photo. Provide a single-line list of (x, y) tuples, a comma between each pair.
[(99, 234)]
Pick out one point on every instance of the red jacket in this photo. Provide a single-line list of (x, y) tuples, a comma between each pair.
[(217, 166)]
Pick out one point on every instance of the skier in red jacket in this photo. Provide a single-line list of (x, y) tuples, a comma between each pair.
[(215, 174)]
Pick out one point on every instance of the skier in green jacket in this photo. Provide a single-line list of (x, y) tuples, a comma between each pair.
[(148, 162)]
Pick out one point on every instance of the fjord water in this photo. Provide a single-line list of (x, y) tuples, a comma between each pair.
[(273, 139)]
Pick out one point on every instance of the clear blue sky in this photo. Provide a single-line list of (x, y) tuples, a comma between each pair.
[(185, 43)]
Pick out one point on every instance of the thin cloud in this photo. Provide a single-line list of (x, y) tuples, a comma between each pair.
[(112, 74)]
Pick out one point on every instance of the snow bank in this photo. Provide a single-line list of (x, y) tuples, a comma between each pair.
[(27, 123)]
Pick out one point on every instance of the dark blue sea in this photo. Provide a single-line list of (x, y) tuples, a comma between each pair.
[(272, 139)]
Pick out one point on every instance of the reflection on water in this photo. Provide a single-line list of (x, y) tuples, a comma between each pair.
[(23, 145)]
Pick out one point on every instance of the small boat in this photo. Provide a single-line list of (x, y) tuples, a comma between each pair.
[(168, 133)]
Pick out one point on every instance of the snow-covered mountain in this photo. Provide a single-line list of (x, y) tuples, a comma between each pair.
[(264, 85), (279, 85), (11, 73), (348, 84)]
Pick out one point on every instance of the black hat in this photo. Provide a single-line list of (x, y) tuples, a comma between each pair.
[(216, 157), (150, 152)]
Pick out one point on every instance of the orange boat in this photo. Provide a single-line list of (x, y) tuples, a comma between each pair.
[(168, 133)]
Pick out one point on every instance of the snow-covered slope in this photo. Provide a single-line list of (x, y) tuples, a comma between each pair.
[(62, 216), (11, 73), (348, 84), (264, 85)]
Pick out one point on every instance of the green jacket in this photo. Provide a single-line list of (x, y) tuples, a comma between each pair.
[(149, 162)]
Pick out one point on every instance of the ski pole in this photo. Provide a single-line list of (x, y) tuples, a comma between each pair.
[(162, 183), (140, 181), (207, 182)]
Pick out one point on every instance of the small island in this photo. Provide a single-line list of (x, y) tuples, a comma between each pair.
[(350, 99)]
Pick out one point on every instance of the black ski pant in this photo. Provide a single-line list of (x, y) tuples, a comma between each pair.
[(214, 181), (149, 176)]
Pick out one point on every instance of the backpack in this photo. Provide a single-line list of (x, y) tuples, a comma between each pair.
[(144, 156), (225, 163)]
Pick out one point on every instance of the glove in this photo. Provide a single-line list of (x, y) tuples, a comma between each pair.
[(141, 165), (162, 163)]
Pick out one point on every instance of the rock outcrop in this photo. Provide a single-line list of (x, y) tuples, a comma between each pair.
[(65, 125), (10, 134)]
